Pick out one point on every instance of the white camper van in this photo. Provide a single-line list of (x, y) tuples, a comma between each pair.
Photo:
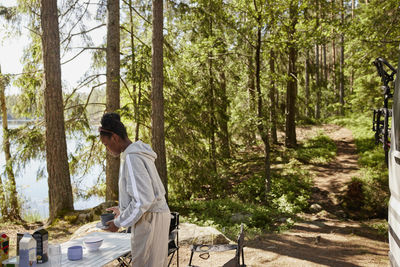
[(394, 178), (390, 138)]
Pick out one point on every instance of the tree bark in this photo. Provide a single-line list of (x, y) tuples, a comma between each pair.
[(14, 209), (325, 67), (223, 117), (60, 190), (251, 88), (307, 83), (272, 93), (136, 96), (291, 87), (317, 70), (139, 100), (341, 74), (334, 69), (264, 131), (211, 97), (157, 103), (333, 63), (213, 154), (317, 84), (112, 91)]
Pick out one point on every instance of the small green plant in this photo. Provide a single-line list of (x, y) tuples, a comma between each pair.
[(381, 227), (71, 218), (319, 149)]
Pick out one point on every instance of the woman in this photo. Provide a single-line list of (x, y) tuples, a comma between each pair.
[(142, 203)]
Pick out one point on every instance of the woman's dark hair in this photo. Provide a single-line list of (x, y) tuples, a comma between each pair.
[(111, 123)]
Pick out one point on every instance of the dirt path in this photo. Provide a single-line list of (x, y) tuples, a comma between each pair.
[(322, 239)]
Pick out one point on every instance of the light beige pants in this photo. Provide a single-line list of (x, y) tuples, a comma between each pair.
[(149, 240)]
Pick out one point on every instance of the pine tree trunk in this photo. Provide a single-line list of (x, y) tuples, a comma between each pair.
[(334, 70), (341, 80), (263, 130), (307, 84), (251, 88), (213, 154), (112, 91), (291, 87), (3, 205), (223, 117), (60, 190), (317, 84), (317, 71), (14, 210), (211, 97), (136, 96), (272, 99), (325, 68), (157, 95), (261, 119), (139, 100)]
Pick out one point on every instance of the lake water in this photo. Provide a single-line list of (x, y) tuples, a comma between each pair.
[(35, 192)]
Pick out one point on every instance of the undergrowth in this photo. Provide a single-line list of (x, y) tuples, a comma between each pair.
[(248, 202)]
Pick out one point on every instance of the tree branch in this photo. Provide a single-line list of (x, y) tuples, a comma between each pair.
[(70, 36), (80, 52), (137, 12)]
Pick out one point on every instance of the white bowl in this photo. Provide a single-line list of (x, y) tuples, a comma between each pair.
[(93, 244)]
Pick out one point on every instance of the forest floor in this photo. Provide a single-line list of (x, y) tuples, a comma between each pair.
[(321, 239), (325, 238)]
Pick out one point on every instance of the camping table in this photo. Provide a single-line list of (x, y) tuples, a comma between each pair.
[(114, 246)]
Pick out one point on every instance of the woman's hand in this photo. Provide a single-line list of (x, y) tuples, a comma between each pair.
[(115, 210), (111, 226)]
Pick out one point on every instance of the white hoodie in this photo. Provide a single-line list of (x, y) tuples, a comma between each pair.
[(140, 186)]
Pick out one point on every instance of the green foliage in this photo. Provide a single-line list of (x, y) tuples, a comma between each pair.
[(227, 214), (380, 226), (246, 201), (30, 142), (319, 149), (252, 189), (290, 189), (371, 34), (292, 185)]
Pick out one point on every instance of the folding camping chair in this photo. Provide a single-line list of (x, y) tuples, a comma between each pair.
[(173, 243), (204, 251)]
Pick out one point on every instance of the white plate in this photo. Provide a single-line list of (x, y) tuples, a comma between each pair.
[(101, 226)]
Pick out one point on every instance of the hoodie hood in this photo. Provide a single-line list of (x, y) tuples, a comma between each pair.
[(140, 148)]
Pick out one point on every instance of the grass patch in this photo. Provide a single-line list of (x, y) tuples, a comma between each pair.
[(32, 216), (317, 150)]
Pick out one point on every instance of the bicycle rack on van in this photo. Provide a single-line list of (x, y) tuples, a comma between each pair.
[(380, 121)]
